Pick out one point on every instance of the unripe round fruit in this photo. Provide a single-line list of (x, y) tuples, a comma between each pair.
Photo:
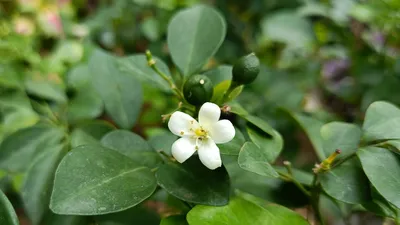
[(246, 69), (198, 89)]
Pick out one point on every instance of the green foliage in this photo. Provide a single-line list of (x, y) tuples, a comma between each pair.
[(87, 92), (99, 174), (7, 213), (194, 35)]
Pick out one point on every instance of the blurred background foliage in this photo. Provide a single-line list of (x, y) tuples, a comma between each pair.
[(329, 58)]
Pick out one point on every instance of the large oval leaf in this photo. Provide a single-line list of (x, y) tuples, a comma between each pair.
[(121, 92), (38, 182), (194, 35), (133, 146), (7, 213), (193, 182), (18, 149), (93, 180), (90, 132), (382, 168), (242, 211)]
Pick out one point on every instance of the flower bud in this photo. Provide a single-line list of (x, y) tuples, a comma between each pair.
[(246, 69), (198, 89)]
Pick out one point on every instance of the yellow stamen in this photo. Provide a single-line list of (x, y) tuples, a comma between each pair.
[(182, 133), (200, 132)]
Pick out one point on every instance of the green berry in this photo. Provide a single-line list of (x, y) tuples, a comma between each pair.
[(246, 69), (198, 89)]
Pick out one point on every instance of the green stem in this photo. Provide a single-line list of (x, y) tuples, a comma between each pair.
[(288, 167), (315, 205), (152, 63), (290, 178)]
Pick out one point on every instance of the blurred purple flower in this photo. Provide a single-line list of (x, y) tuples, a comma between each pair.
[(335, 69)]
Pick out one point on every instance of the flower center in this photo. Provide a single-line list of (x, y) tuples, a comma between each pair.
[(200, 132)]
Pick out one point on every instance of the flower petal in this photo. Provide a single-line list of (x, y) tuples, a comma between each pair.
[(180, 123), (183, 148), (209, 113), (222, 131), (209, 154)]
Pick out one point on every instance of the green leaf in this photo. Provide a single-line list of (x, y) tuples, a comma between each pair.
[(271, 147), (90, 133), (194, 36), (220, 74), (253, 159), (163, 142), (38, 182), (86, 104), (137, 66), (21, 147), (312, 128), (382, 168), (271, 144), (339, 135), (46, 90), (382, 121), (7, 213), (174, 220), (121, 92), (136, 215), (92, 180), (233, 147), (347, 183), (133, 146), (289, 28), (242, 211), (195, 183), (380, 206)]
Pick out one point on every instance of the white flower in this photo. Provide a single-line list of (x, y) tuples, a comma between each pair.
[(201, 136)]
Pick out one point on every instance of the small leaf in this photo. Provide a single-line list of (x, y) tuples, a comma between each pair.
[(92, 180), (242, 211), (38, 182), (382, 168), (233, 147), (121, 92), (21, 147), (382, 121), (271, 144), (251, 158), (193, 182), (46, 90), (133, 146), (194, 36), (137, 66), (174, 220), (339, 135), (7, 213), (289, 28), (347, 183)]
